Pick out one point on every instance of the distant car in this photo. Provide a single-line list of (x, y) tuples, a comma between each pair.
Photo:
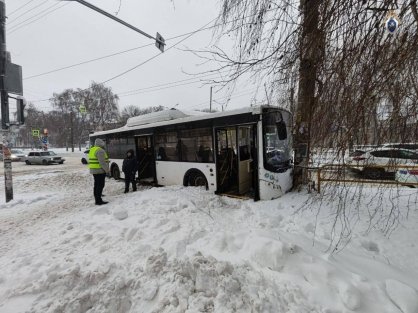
[(405, 145), (382, 163), (43, 157), (16, 155), (407, 177), (85, 157), (357, 153)]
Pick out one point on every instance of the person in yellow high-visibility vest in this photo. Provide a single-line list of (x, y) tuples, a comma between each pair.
[(99, 167)]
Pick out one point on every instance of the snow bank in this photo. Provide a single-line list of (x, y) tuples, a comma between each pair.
[(403, 296), (186, 250)]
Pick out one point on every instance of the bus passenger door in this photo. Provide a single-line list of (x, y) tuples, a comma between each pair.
[(146, 160), (245, 159), (226, 160)]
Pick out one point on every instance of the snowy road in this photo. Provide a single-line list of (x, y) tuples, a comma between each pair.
[(179, 249)]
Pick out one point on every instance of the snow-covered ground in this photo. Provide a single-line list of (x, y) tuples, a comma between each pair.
[(177, 249)]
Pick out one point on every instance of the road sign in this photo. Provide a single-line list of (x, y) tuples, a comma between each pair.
[(35, 132), (159, 42), (45, 140), (14, 79), (82, 109)]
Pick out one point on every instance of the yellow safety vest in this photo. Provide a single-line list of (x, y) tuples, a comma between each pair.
[(93, 161)]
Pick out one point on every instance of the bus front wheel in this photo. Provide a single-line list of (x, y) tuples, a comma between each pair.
[(196, 179)]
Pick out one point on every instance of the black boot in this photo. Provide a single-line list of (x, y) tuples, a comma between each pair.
[(101, 202)]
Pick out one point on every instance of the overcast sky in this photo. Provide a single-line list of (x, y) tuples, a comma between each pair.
[(45, 35)]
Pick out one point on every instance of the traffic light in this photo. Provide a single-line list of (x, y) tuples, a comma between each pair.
[(20, 110)]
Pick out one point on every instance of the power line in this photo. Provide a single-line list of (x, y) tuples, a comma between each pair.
[(16, 28), (238, 95), (142, 63), (155, 56), (13, 27), (235, 96), (19, 8), (88, 61), (178, 83), (158, 89), (204, 27), (27, 11), (125, 51), (167, 85)]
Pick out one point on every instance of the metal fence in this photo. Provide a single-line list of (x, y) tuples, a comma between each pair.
[(341, 173)]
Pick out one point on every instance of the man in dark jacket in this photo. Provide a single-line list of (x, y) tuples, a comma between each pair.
[(129, 168)]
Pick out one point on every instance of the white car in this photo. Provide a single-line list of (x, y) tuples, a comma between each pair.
[(407, 177), (405, 145), (15, 155), (44, 158), (382, 163), (85, 157)]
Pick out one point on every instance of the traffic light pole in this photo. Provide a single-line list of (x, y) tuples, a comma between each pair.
[(5, 122), (72, 130), (159, 40)]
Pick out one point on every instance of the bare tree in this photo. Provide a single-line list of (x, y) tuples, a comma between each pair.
[(101, 105), (362, 80), (132, 110)]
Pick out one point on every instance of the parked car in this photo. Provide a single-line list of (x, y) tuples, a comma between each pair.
[(381, 163), (356, 153), (405, 145), (16, 155), (85, 157), (407, 177), (43, 157)]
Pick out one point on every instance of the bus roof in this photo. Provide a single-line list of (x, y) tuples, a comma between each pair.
[(174, 116)]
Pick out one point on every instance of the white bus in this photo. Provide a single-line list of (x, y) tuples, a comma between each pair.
[(243, 153)]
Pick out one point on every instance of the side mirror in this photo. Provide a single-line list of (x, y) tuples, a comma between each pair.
[(281, 130)]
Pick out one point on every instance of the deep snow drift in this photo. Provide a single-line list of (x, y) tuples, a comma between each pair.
[(179, 249)]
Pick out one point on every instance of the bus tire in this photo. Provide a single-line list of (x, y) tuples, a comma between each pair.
[(195, 178), (115, 172)]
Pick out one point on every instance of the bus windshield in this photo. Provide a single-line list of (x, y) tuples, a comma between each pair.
[(277, 152)]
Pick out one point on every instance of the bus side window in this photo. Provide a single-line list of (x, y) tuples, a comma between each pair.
[(204, 154), (162, 156)]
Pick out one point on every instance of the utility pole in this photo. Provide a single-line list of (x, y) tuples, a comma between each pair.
[(5, 122), (72, 130), (210, 103), (311, 42)]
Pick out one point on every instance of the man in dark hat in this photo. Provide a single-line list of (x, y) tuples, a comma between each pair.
[(129, 168)]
